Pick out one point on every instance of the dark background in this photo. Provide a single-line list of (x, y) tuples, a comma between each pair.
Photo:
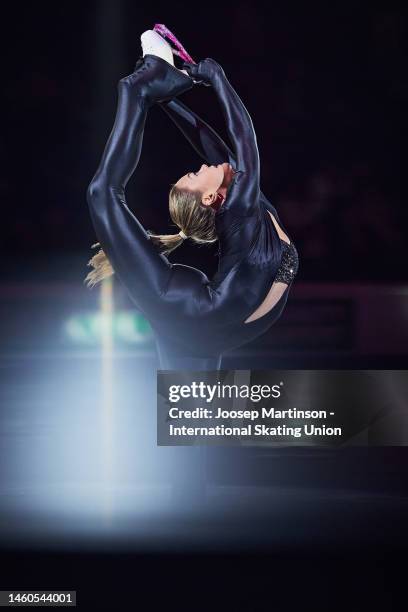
[(325, 84)]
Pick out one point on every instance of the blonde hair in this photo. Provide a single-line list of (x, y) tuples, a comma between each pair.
[(189, 214), (101, 265)]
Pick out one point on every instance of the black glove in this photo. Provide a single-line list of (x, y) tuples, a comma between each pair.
[(205, 71), (156, 80)]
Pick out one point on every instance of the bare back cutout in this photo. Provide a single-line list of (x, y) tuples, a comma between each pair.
[(277, 289)]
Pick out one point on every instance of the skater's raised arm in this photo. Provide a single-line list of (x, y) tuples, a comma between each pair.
[(202, 137), (242, 135)]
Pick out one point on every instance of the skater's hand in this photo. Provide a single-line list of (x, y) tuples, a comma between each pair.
[(205, 72), (156, 80)]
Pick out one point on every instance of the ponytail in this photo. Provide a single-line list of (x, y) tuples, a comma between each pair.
[(166, 243), (187, 212), (101, 268)]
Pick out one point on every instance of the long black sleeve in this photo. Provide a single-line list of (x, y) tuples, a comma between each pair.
[(239, 125), (202, 137), (244, 194), (244, 191), (133, 257)]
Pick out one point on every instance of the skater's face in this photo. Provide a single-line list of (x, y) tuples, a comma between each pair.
[(208, 180)]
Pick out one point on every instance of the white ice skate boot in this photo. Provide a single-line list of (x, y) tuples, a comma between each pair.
[(154, 44)]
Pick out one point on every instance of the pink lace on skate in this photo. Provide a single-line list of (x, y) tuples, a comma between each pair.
[(161, 29)]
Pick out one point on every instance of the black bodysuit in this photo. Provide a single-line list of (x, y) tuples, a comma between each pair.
[(195, 319)]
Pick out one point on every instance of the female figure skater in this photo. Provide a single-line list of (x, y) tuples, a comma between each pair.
[(194, 319)]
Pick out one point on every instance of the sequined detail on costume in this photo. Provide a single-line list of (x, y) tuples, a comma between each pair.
[(289, 264)]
